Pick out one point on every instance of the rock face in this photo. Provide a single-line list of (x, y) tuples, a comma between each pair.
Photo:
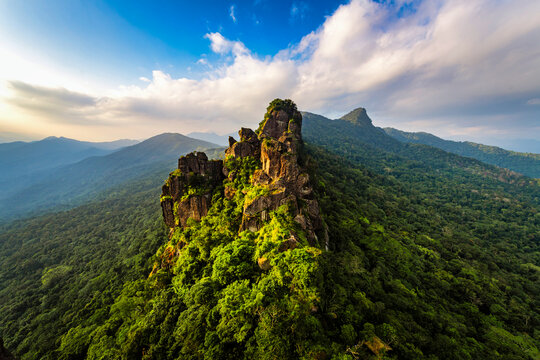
[(281, 178), (247, 146), (188, 191), (285, 180)]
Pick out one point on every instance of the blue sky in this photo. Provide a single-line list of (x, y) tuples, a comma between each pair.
[(124, 40), (102, 70)]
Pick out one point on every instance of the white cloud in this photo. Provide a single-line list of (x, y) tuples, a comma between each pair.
[(535, 101), (231, 13), (452, 64), (222, 46)]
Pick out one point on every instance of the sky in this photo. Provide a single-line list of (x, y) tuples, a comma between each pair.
[(104, 70)]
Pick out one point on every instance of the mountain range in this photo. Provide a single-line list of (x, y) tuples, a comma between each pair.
[(68, 172), (20, 160), (524, 163), (212, 137), (82, 170)]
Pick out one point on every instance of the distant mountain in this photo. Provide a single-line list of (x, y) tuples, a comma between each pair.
[(73, 184), (212, 137), (358, 117), (20, 161), (524, 163), (8, 136), (356, 124), (115, 145), (28, 157)]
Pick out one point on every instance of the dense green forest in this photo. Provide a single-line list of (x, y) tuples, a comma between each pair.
[(60, 269), (524, 163), (430, 256)]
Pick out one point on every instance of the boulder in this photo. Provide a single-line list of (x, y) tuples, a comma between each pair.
[(289, 244), (264, 263)]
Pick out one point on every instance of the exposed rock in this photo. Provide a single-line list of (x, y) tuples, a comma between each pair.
[(167, 207), (260, 177), (287, 183), (190, 188), (289, 244), (248, 145), (194, 207), (253, 210), (188, 191), (264, 263), (240, 149), (248, 135), (275, 125), (271, 158), (198, 164)]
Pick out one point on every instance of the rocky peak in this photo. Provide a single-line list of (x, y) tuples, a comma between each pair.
[(359, 117), (282, 117), (247, 146), (188, 190), (279, 179), (198, 163)]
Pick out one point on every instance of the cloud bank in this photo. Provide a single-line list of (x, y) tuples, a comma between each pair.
[(456, 68)]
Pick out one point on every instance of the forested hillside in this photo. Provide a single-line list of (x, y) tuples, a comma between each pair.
[(449, 246), (524, 163), (20, 160), (74, 184), (24, 158), (346, 245), (59, 270)]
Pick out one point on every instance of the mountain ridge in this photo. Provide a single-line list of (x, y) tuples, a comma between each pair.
[(21, 161), (71, 184), (525, 163)]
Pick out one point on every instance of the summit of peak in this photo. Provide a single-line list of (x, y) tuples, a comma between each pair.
[(358, 116)]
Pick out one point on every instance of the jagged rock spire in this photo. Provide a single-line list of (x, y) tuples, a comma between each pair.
[(276, 144)]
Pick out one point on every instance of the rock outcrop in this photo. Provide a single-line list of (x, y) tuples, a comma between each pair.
[(187, 193), (286, 182), (281, 178)]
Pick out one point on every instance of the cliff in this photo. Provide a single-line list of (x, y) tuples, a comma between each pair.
[(187, 192), (276, 178)]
